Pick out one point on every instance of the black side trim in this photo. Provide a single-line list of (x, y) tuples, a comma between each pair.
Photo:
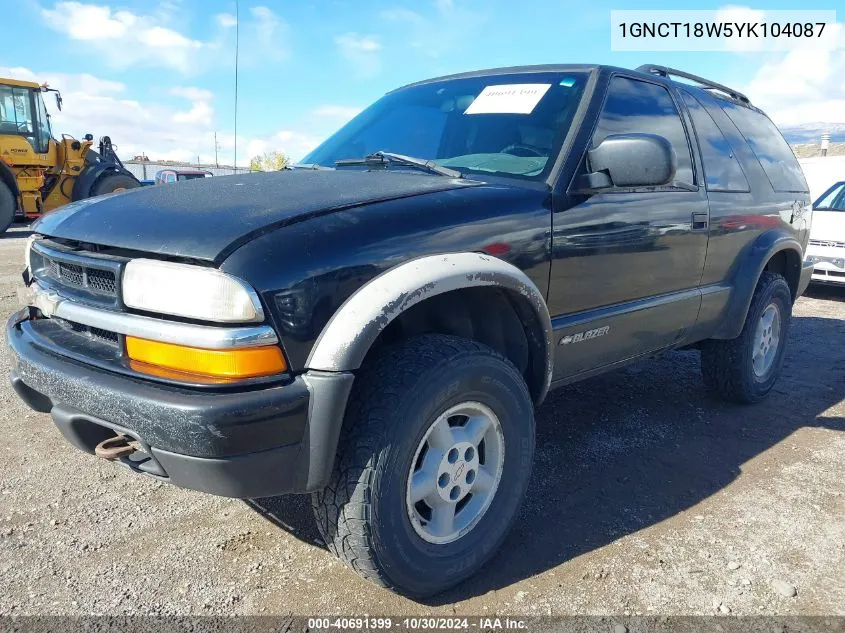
[(588, 317), (326, 409)]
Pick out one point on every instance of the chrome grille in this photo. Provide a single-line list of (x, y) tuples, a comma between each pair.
[(76, 273), (68, 273), (102, 281), (827, 243)]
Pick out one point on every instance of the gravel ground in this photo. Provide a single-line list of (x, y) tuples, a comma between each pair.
[(648, 497)]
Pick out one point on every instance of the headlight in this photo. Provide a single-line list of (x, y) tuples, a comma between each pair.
[(193, 292)]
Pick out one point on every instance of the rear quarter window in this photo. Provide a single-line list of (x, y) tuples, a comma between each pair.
[(769, 146)]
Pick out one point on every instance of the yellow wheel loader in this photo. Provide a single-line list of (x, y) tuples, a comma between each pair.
[(39, 173)]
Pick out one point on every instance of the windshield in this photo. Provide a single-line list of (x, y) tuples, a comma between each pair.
[(16, 116), (15, 111), (509, 125), (44, 132)]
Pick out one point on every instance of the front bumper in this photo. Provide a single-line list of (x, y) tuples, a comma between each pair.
[(248, 443), (828, 263)]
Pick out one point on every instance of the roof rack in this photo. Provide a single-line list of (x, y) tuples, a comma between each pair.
[(667, 72)]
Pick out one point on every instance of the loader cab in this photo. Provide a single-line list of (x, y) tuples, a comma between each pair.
[(23, 113)]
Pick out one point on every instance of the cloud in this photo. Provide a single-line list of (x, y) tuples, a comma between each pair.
[(445, 28), (192, 94), (226, 20), (354, 43), (83, 82), (168, 130), (797, 87), (123, 39), (802, 86), (270, 32), (362, 51)]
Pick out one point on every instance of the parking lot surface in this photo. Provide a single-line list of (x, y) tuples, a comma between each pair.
[(648, 497)]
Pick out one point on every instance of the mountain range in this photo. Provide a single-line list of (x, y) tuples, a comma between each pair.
[(812, 132)]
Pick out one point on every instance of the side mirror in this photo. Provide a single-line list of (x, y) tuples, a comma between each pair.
[(630, 160), (59, 100)]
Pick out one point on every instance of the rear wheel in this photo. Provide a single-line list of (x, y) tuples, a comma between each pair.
[(432, 466), (746, 368), (113, 183), (7, 207)]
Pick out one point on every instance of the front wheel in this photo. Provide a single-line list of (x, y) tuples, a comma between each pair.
[(746, 368), (113, 183), (433, 463)]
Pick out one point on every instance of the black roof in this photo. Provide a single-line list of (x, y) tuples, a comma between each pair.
[(509, 70), (653, 71)]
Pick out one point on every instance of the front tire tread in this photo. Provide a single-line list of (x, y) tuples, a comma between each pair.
[(343, 509)]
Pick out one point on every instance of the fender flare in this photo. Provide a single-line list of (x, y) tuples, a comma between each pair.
[(354, 327), (745, 280)]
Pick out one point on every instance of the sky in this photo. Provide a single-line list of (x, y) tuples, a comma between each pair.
[(158, 75)]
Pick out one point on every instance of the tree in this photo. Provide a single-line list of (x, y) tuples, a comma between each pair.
[(269, 161)]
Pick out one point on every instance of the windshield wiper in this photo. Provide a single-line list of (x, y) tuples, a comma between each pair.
[(383, 159)]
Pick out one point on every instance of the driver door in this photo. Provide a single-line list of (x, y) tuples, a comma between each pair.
[(626, 263)]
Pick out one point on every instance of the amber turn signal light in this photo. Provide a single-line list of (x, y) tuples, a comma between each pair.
[(208, 365)]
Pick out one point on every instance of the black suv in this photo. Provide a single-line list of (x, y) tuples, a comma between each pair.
[(377, 325)]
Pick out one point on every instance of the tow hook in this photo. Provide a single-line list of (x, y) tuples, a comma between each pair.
[(116, 447)]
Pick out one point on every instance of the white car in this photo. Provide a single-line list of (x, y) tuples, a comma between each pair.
[(827, 236)]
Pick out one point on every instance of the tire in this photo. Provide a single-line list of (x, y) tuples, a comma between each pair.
[(729, 367), (7, 207), (364, 514), (110, 183)]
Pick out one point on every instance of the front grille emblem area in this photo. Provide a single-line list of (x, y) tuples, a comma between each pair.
[(78, 275)]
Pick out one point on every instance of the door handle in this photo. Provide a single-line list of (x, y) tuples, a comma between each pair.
[(700, 221)]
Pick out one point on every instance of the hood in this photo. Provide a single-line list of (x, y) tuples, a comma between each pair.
[(209, 218), (828, 226)]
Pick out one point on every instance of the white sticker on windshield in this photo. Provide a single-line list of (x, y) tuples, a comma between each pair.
[(508, 99)]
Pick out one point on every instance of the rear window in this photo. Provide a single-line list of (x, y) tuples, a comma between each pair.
[(722, 171), (769, 147)]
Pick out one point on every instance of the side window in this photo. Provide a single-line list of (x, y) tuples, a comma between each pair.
[(769, 147), (722, 171), (639, 106), (833, 199)]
